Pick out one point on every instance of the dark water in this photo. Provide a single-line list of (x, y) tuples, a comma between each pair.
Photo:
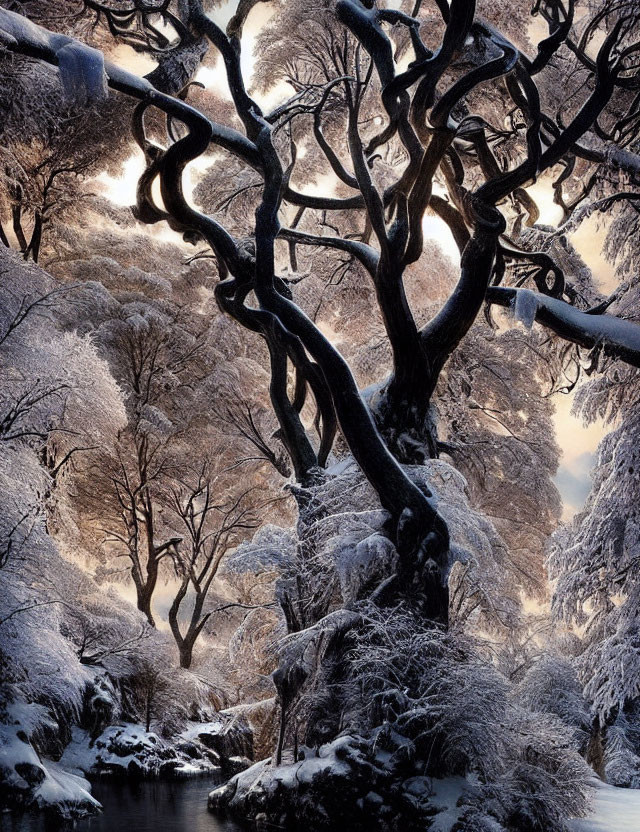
[(150, 806)]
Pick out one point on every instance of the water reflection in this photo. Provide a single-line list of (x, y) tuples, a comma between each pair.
[(150, 806)]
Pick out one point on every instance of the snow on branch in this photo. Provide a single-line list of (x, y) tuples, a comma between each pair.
[(82, 73), (525, 307), (619, 337), (82, 69)]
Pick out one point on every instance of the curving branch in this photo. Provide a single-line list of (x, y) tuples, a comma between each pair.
[(436, 136)]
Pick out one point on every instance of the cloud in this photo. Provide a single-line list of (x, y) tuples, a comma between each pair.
[(573, 481)]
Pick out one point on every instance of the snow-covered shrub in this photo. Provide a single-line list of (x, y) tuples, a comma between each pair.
[(551, 686), (622, 749), (541, 781), (432, 688), (162, 696), (459, 718)]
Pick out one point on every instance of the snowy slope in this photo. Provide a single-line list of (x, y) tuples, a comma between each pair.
[(614, 810)]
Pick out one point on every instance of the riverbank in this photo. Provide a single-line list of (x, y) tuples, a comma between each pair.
[(54, 779)]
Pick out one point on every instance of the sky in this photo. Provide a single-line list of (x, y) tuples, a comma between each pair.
[(578, 443)]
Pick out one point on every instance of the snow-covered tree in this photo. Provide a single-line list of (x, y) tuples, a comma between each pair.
[(387, 116)]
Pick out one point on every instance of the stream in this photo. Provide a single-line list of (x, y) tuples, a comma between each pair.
[(181, 806), (146, 806)]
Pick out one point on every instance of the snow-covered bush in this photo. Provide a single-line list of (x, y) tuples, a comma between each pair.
[(409, 702), (432, 688), (458, 718), (541, 782), (622, 749), (551, 686)]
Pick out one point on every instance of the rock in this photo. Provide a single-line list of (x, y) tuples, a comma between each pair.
[(192, 750), (127, 750), (100, 705), (33, 774), (135, 769), (234, 765), (230, 737)]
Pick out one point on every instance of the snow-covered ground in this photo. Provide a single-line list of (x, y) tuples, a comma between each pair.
[(614, 810)]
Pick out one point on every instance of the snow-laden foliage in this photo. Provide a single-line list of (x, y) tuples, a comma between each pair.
[(268, 552), (432, 689), (343, 550), (622, 749), (52, 380), (498, 432), (71, 653), (457, 713), (551, 686), (339, 556), (596, 561)]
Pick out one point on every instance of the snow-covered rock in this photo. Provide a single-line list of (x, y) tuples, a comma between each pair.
[(127, 750), (230, 738), (29, 782), (351, 778)]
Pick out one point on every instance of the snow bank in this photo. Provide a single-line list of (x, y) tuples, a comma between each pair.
[(29, 782), (614, 810)]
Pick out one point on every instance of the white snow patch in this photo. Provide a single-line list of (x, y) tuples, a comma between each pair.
[(343, 466), (82, 73), (125, 743), (525, 307), (78, 756), (62, 788), (614, 810), (68, 792), (445, 795), (195, 729)]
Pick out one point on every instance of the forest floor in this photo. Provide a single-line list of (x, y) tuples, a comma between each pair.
[(614, 810)]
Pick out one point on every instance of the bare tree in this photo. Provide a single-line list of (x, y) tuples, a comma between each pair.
[(247, 421), (141, 463), (211, 530), (151, 688)]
